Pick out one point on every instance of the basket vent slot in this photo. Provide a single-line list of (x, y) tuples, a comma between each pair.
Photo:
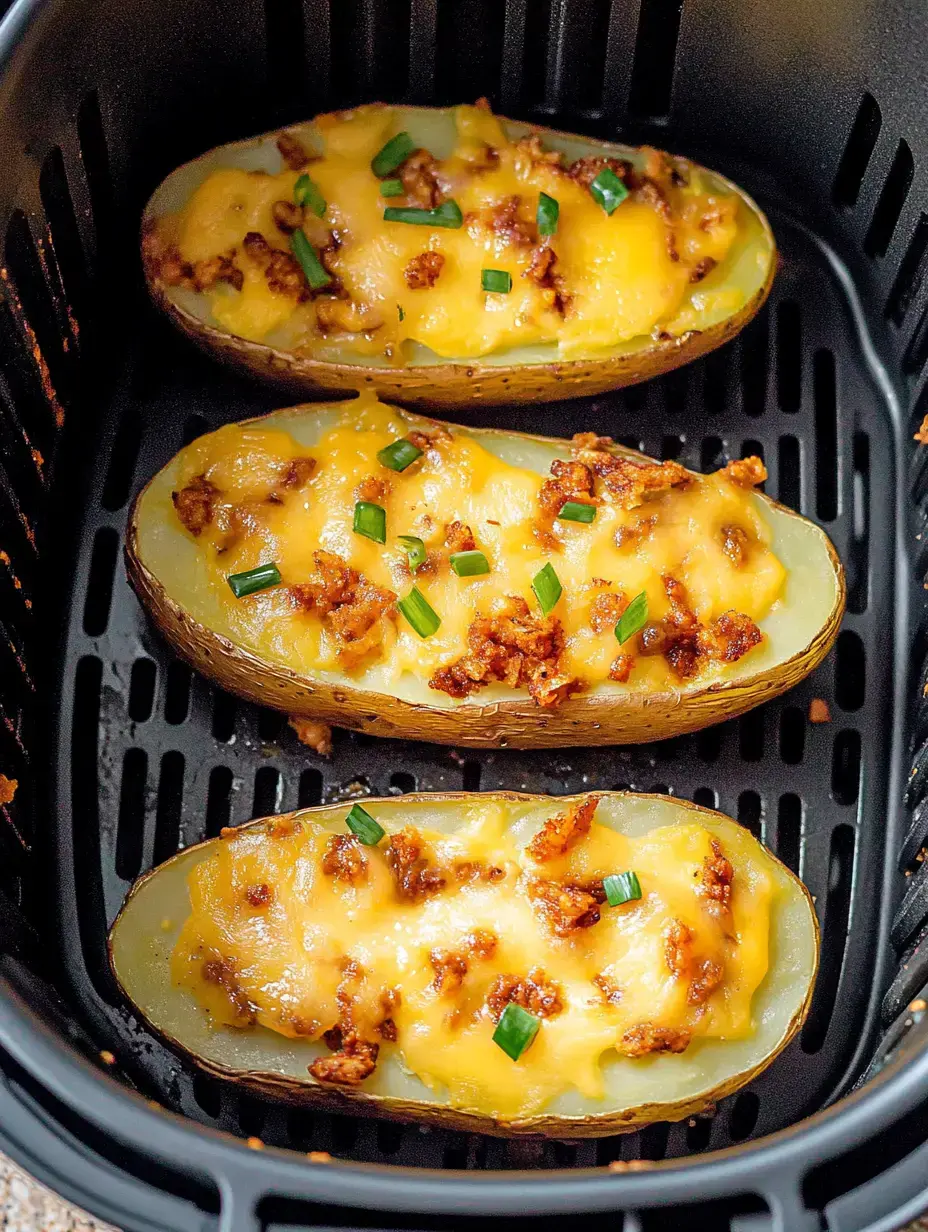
[(655, 57), (218, 800), (142, 690), (95, 159), (751, 735), (792, 735), (170, 803), (850, 671), (130, 828), (750, 812), (578, 33), (177, 693), (892, 199), (711, 453), (789, 357), (225, 708), (752, 448), (857, 153), (470, 47), (845, 767), (706, 797), (66, 246), (858, 554), (35, 306), (370, 48), (789, 472), (915, 354), (123, 460), (755, 346), (908, 281), (744, 1113), (310, 790), (834, 937), (100, 581), (268, 795), (789, 830), (826, 435), (286, 56)]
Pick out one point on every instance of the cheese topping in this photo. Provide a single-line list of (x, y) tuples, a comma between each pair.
[(599, 281), (298, 928), (697, 546)]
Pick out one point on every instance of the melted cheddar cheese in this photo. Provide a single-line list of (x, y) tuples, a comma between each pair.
[(678, 533), (631, 274), (275, 940)]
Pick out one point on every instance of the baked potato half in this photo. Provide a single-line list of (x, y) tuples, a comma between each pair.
[(500, 589), (447, 256), (496, 962)]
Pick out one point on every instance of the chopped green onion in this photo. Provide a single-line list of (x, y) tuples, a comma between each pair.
[(546, 215), (621, 888), (634, 617), (498, 281), (608, 190), (252, 580), (547, 587), (515, 1030), (305, 192), (363, 826), (415, 550), (419, 612), (389, 157), (576, 511), (391, 188), (400, 313), (448, 214), (469, 564), (370, 521), (399, 454), (316, 274)]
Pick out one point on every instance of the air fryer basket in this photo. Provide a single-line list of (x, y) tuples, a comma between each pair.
[(122, 755)]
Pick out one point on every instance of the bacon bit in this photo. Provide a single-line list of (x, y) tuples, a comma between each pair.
[(570, 481), (677, 941), (628, 482), (646, 1037), (471, 870), (459, 538), (344, 859), (516, 648), (390, 1000), (319, 1157), (298, 471), (611, 992), (283, 273), (702, 268), (284, 827), (746, 473), (542, 271), (621, 668), (195, 504), (422, 271), (818, 711), (564, 908), (287, 215), (356, 610), (354, 1060), (534, 992), (585, 170), (346, 315), (7, 789), (255, 1143), (504, 221), (410, 862), (372, 488), (635, 532), (314, 734), (606, 610), (918, 1006), (717, 878), (704, 983), (259, 895), (686, 645), (221, 971), (922, 434), (629, 1165), (107, 1057), (560, 833), (589, 441), (291, 151), (732, 636), (432, 440), (420, 180), (530, 148), (221, 268), (450, 969), (735, 544)]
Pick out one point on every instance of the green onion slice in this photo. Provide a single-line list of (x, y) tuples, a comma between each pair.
[(389, 157), (419, 612), (469, 564), (498, 281), (391, 188), (448, 214), (621, 888), (370, 521), (576, 511), (400, 313), (399, 454), (306, 193), (515, 1030), (363, 826), (252, 580), (634, 617), (316, 274), (546, 215), (608, 190), (415, 550), (547, 587)]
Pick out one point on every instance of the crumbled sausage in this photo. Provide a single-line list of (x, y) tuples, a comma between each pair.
[(291, 151), (431, 441), (686, 645), (515, 647), (410, 862), (581, 441), (638, 1041), (372, 488), (542, 271), (585, 170), (195, 504), (315, 735), (221, 971), (621, 668), (605, 611), (259, 895), (530, 149), (287, 215), (423, 270), (678, 938), (357, 611), (717, 877), (450, 968), (389, 1001), (8, 789), (735, 544), (473, 870), (420, 180), (504, 221), (611, 992), (560, 833), (459, 537), (731, 637), (635, 532), (746, 472), (570, 481), (534, 992), (353, 1061), (282, 271), (344, 859), (703, 267), (819, 711), (346, 315), (629, 482), (706, 980), (564, 908), (221, 268)]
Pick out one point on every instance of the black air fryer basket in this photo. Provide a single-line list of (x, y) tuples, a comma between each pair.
[(122, 755)]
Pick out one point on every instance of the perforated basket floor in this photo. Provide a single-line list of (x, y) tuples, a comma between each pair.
[(152, 758)]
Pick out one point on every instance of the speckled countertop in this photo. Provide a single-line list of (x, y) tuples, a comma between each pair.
[(27, 1206)]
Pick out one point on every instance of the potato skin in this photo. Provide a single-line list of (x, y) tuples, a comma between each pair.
[(582, 719), (452, 384), (360, 1103)]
